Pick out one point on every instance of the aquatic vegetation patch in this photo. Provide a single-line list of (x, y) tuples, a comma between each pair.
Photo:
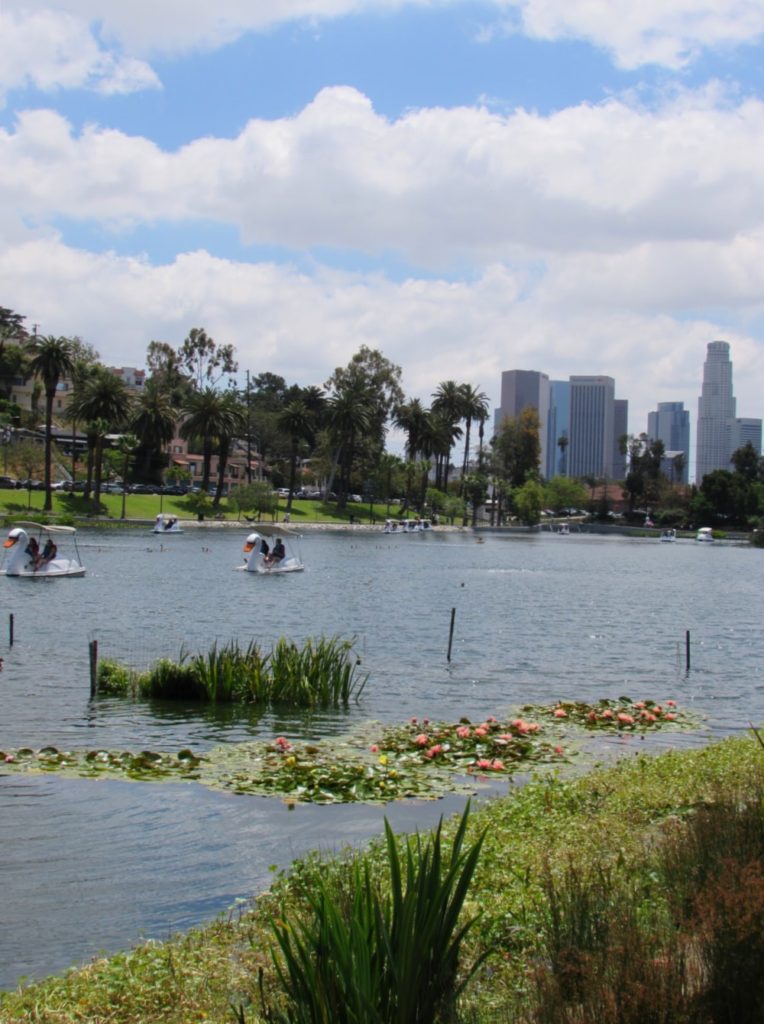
[(419, 759), (621, 714), (322, 673)]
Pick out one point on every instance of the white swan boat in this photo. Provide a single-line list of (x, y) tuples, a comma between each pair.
[(25, 557), (263, 552), (416, 525), (668, 536), (705, 535), (167, 524)]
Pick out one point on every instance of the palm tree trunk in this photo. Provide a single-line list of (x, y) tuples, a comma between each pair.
[(49, 396)]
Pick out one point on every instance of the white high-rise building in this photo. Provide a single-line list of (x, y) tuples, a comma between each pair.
[(592, 427), (716, 412)]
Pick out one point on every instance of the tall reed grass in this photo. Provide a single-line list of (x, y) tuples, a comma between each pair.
[(323, 673)]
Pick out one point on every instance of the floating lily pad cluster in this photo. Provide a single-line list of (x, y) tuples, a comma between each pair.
[(621, 714), (421, 759)]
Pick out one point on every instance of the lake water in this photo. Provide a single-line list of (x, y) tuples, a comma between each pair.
[(92, 867)]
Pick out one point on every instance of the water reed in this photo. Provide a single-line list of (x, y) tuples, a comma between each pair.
[(323, 673)]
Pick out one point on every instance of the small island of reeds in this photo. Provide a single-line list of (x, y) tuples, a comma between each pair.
[(321, 673)]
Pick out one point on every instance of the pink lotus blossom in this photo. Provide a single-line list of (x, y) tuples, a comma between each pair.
[(421, 740), (484, 763), (533, 726), (282, 743), (625, 719), (592, 716), (434, 751), (560, 713), (671, 703), (669, 716), (480, 731), (413, 721), (463, 732), (374, 748), (491, 718), (607, 713), (497, 765), (639, 704), (658, 709), (558, 750), (9, 758), (425, 721)]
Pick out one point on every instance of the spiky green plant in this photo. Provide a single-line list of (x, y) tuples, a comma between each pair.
[(381, 959)]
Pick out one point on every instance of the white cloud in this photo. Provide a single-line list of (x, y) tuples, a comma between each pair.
[(303, 326), (52, 49), (651, 31), (442, 187), (644, 32)]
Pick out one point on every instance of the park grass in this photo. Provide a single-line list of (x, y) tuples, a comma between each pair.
[(564, 850), (145, 507)]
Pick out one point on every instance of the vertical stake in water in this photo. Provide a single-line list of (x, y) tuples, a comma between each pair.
[(687, 650), (93, 667), (10, 629), (451, 633)]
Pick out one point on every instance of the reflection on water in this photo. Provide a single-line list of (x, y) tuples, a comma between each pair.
[(96, 865)]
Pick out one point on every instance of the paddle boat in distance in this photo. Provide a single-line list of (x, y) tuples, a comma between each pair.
[(272, 552), (416, 525), (668, 536), (705, 535), (25, 557), (166, 524)]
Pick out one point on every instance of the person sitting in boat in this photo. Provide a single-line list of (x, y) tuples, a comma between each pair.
[(170, 522), (279, 551), (49, 552), (33, 550)]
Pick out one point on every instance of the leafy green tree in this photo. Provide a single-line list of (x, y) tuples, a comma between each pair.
[(349, 417), (528, 501), (563, 492), (231, 423), (475, 490), (517, 448), (204, 360), (256, 497), (747, 462), (29, 459), (52, 359)]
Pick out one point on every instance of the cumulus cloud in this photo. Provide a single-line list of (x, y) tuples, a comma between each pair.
[(649, 32), (441, 187), (53, 49), (304, 325)]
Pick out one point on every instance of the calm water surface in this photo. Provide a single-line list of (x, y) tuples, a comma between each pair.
[(94, 866)]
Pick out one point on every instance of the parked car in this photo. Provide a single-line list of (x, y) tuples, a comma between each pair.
[(113, 489), (177, 489), (8, 482), (142, 489), (74, 485), (355, 497), (283, 492)]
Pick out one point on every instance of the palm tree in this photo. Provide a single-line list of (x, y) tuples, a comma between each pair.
[(562, 444), (232, 422), (104, 403), (127, 445), (349, 416), (448, 403), (475, 407), (53, 358), (203, 412), (153, 421), (296, 422)]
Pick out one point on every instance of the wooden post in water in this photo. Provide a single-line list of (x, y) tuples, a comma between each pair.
[(93, 648), (451, 633), (10, 629), (687, 650)]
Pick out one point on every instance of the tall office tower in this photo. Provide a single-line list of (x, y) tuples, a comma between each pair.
[(670, 423), (592, 423), (716, 411), (620, 428), (558, 429), (524, 389)]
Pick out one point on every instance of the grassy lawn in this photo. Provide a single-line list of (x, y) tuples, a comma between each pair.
[(147, 506)]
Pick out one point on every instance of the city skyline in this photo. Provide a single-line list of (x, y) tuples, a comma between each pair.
[(464, 186)]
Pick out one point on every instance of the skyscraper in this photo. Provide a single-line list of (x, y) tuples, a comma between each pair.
[(670, 423), (558, 429), (592, 426), (716, 412)]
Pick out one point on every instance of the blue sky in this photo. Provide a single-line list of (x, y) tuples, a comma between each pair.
[(561, 185)]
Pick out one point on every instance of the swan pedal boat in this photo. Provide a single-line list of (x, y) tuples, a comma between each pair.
[(19, 563), (417, 525), (167, 524), (255, 560)]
